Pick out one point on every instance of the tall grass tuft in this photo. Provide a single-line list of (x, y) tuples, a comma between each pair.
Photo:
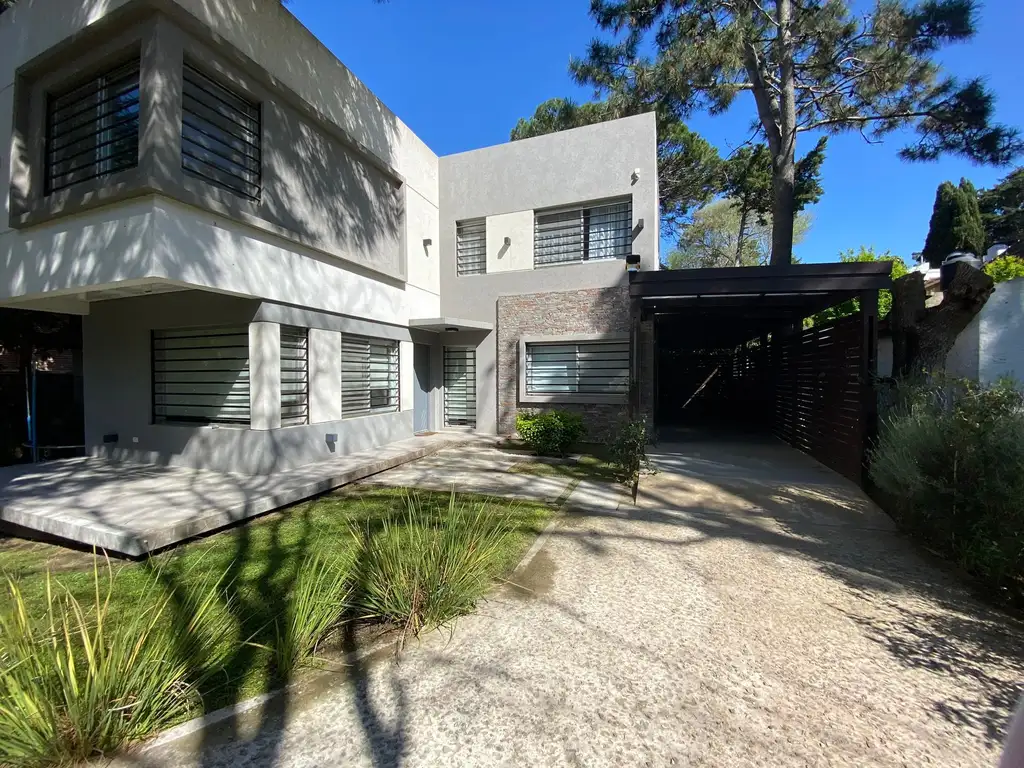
[(75, 684), (422, 571), (315, 607)]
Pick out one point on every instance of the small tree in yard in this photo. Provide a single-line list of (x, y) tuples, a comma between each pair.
[(1005, 268), (955, 224), (809, 67), (1002, 213)]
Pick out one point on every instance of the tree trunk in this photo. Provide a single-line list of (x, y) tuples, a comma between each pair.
[(784, 160), (923, 336), (741, 237)]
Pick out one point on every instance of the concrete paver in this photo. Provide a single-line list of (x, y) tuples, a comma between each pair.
[(138, 508), (752, 609)]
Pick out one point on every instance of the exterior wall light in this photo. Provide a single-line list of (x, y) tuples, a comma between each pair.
[(633, 262), (508, 241)]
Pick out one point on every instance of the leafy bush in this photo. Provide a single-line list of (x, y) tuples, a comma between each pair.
[(950, 459), (422, 572), (630, 451), (314, 608), (75, 684), (1005, 268), (550, 433)]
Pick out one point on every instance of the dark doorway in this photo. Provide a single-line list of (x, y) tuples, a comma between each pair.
[(421, 390)]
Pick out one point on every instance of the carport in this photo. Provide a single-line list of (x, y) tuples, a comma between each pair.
[(731, 354)]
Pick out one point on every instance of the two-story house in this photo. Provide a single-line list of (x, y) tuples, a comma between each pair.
[(272, 268)]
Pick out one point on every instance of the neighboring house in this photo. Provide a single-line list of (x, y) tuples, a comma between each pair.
[(273, 269)]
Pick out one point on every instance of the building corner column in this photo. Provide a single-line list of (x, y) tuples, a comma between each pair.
[(265, 375)]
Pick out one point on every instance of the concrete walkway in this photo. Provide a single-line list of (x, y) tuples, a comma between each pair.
[(754, 609), (137, 508)]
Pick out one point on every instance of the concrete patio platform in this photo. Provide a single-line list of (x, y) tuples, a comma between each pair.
[(133, 509)]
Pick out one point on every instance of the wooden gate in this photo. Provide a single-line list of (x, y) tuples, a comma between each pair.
[(820, 391)]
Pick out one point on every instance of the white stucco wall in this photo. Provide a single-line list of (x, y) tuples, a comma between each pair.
[(518, 228), (992, 344), (104, 247)]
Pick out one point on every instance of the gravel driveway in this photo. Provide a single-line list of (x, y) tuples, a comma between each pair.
[(753, 609)]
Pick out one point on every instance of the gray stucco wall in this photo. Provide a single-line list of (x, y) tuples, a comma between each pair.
[(118, 395), (578, 166), (582, 165), (318, 187)]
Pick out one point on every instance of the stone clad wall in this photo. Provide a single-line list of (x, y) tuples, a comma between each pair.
[(593, 310)]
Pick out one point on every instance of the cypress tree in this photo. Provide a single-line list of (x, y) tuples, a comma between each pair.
[(939, 243), (968, 230)]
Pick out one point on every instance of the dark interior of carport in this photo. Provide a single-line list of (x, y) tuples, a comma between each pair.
[(732, 354)]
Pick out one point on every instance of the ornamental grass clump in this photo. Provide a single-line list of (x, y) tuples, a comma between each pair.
[(76, 682), (426, 567)]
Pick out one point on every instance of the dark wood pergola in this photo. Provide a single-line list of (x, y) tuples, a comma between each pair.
[(730, 306)]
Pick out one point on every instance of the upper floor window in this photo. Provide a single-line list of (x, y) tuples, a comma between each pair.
[(220, 135), (471, 246), (572, 235), (92, 130)]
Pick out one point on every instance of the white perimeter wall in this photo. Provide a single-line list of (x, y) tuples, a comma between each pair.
[(992, 345)]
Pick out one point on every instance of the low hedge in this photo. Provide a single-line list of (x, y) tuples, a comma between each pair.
[(550, 433)]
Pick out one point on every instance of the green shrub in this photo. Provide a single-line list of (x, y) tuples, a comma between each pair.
[(550, 433), (950, 460), (314, 608), (76, 684), (1005, 268), (630, 451), (421, 571)]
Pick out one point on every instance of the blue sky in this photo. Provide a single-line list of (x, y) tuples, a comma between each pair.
[(461, 72)]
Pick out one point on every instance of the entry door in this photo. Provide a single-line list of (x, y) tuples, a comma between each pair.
[(459, 387), (421, 392)]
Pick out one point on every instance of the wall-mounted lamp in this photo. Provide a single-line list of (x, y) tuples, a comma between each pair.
[(427, 241), (508, 241), (635, 177), (633, 262)]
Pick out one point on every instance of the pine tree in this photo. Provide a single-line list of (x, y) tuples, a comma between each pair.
[(820, 67)]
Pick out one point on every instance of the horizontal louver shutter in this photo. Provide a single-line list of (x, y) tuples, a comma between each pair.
[(583, 234), (201, 375), (294, 376), (471, 246), (369, 376), (595, 368), (459, 387), (220, 135), (93, 129)]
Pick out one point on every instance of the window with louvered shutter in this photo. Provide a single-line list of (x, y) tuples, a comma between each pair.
[(294, 376), (471, 246), (580, 234), (593, 368), (369, 376), (459, 387), (220, 135), (92, 130), (201, 375)]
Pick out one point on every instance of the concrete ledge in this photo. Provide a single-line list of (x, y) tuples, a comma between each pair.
[(135, 509)]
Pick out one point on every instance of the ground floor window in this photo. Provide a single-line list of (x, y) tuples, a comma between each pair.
[(459, 387), (592, 368), (201, 375), (294, 376), (369, 376)]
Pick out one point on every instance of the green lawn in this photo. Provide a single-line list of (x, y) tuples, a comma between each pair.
[(258, 561), (587, 466)]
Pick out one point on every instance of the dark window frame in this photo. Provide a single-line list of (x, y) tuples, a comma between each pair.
[(575, 224), (183, 335), (351, 345), (64, 124), (221, 133)]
